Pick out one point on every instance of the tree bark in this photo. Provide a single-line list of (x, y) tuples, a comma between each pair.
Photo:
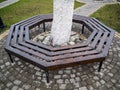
[(62, 21)]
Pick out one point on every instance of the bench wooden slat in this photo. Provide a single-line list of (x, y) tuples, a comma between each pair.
[(107, 28), (20, 39), (27, 57), (9, 36), (75, 61), (76, 54), (103, 40), (30, 51), (26, 20), (96, 38), (107, 46), (53, 53), (98, 25), (15, 35)]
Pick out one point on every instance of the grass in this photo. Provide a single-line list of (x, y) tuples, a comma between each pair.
[(109, 15), (2, 1), (25, 9)]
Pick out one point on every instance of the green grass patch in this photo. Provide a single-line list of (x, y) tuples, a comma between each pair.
[(78, 4), (109, 15), (2, 1), (25, 9)]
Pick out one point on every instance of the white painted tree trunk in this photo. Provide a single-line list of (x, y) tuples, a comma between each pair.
[(62, 21)]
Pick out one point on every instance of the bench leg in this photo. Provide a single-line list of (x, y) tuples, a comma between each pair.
[(82, 29), (44, 26), (10, 57), (100, 65), (47, 76)]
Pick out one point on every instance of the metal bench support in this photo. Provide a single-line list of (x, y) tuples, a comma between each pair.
[(44, 26), (11, 59), (82, 29), (100, 65), (47, 76)]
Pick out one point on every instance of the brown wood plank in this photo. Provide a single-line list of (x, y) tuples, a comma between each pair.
[(20, 39), (30, 51), (77, 54), (24, 21), (102, 41), (91, 37), (72, 50), (15, 36), (107, 28), (69, 47), (96, 38), (76, 61), (9, 36), (27, 34), (109, 41), (36, 48), (27, 57), (38, 44), (98, 25), (50, 53)]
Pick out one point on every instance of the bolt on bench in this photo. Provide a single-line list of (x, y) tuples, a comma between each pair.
[(94, 49)]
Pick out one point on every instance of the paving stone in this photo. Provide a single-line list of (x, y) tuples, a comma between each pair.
[(20, 89), (67, 81), (9, 84), (38, 73), (76, 85), (55, 87), (72, 80), (98, 84), (64, 76), (90, 88), (60, 81), (118, 85), (106, 78), (102, 81), (69, 86), (7, 63), (103, 88), (17, 82), (62, 86), (113, 80), (60, 72), (110, 74), (67, 71), (14, 88), (26, 86), (37, 89), (95, 78), (77, 79), (57, 76), (109, 84), (36, 68), (83, 83), (72, 75), (83, 88)]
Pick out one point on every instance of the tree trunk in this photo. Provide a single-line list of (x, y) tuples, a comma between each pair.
[(62, 21)]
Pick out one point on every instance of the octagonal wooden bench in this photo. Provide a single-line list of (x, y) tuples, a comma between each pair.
[(94, 49)]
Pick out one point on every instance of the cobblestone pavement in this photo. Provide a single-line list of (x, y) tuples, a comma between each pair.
[(24, 76)]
